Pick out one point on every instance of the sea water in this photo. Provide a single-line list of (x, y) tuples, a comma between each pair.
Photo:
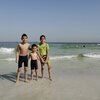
[(57, 50), (75, 73)]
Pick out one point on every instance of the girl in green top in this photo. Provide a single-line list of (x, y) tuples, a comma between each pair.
[(43, 48)]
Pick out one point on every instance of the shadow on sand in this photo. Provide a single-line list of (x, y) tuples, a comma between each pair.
[(10, 76)]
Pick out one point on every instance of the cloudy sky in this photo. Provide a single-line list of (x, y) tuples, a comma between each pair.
[(59, 20)]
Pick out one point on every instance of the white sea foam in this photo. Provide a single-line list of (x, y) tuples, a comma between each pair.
[(6, 50), (51, 58), (98, 44), (9, 59), (91, 55), (63, 57)]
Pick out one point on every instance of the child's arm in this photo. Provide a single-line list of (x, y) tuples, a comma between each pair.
[(29, 56), (29, 47), (38, 53), (40, 58), (17, 54)]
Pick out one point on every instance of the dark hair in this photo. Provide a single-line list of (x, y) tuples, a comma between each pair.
[(42, 36), (24, 35), (34, 45)]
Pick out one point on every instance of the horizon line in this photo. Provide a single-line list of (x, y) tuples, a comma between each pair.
[(50, 42)]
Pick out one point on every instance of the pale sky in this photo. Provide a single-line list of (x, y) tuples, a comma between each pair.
[(59, 20)]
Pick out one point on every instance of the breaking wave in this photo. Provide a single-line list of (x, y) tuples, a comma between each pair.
[(89, 55), (6, 50)]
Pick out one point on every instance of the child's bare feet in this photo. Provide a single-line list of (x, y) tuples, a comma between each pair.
[(36, 79), (42, 77), (50, 79), (17, 81), (26, 81)]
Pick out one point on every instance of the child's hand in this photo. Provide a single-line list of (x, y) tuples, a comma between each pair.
[(16, 61), (42, 60), (46, 62)]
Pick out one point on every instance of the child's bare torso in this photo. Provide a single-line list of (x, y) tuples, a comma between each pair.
[(24, 49), (34, 56)]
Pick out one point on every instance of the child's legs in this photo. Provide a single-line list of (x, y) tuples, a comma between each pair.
[(18, 74), (36, 71), (25, 73), (42, 70), (49, 70), (32, 73), (19, 68), (25, 60)]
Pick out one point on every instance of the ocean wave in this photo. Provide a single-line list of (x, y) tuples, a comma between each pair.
[(51, 58), (89, 55), (9, 59), (98, 44), (63, 57), (6, 50)]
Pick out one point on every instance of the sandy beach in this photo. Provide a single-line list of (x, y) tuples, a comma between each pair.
[(74, 82)]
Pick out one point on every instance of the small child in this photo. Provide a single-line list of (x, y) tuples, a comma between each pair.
[(34, 63), (22, 56), (43, 48)]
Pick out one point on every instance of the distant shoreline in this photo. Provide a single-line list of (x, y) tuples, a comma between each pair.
[(54, 42)]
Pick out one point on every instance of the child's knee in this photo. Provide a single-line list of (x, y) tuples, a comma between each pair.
[(42, 68), (19, 70), (25, 69), (36, 70), (49, 68)]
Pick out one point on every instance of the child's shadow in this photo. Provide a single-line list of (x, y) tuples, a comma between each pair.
[(11, 76)]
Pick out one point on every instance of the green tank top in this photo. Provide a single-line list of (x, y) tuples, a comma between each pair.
[(43, 49)]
